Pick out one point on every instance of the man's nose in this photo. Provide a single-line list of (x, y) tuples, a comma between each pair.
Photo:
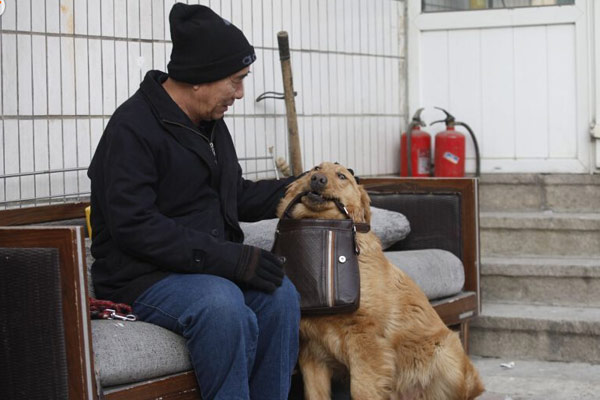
[(239, 91)]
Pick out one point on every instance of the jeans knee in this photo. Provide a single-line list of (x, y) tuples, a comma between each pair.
[(286, 300), (224, 309), (288, 294)]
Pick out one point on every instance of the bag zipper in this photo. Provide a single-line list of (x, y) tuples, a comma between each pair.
[(330, 268), (210, 142)]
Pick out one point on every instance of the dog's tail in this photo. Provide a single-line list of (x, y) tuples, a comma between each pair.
[(455, 376), (450, 374), (474, 385)]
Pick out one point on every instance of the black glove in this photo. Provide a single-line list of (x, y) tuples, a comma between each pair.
[(260, 268)]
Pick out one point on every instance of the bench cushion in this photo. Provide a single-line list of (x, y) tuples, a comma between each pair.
[(438, 273), (389, 226), (126, 352)]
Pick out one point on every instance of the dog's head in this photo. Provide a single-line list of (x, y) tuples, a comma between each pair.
[(325, 183)]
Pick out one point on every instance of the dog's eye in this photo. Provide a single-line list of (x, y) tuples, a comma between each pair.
[(341, 176), (316, 168)]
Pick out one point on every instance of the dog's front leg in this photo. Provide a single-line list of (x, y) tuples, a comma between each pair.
[(315, 374)]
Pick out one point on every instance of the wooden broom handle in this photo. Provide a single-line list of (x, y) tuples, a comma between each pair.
[(290, 104)]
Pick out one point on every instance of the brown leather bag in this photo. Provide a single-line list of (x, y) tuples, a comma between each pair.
[(322, 260)]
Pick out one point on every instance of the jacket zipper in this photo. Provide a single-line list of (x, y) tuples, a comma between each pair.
[(330, 268), (210, 142)]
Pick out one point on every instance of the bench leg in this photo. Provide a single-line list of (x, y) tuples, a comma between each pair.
[(464, 335)]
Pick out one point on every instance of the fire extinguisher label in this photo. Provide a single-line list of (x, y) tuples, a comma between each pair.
[(423, 167), (453, 158)]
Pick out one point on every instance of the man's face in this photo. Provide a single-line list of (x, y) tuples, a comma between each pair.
[(213, 99)]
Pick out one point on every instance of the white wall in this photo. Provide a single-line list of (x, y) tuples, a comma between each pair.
[(66, 65), (515, 87)]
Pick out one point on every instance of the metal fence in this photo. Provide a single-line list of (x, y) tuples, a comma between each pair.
[(65, 65)]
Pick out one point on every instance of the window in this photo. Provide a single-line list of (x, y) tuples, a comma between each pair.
[(463, 5)]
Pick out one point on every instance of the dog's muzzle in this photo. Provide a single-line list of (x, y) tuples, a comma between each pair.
[(318, 182)]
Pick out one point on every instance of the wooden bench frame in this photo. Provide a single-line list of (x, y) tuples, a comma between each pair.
[(456, 311), (76, 323)]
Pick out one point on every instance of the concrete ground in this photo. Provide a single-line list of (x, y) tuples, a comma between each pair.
[(538, 380), (526, 380)]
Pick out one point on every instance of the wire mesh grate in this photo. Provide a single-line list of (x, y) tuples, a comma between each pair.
[(66, 66)]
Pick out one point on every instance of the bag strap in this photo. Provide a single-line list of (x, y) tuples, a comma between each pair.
[(361, 227)]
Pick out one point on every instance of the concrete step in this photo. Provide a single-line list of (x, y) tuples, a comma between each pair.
[(540, 233), (562, 281), (530, 192), (536, 332), (537, 380)]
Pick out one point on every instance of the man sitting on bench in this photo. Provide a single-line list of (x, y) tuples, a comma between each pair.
[(167, 195)]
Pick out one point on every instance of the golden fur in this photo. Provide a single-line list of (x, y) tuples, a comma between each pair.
[(394, 346)]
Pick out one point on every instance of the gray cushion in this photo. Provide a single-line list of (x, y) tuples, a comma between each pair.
[(389, 226), (438, 273), (126, 352), (260, 234)]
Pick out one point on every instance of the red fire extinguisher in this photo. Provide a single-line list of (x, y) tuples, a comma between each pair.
[(415, 144), (449, 157)]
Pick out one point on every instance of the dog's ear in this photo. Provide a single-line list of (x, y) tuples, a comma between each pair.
[(365, 202), (360, 211), (356, 178)]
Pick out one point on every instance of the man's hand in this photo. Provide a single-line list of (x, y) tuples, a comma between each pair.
[(260, 268)]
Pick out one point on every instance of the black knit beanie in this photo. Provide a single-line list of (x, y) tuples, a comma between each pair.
[(206, 47)]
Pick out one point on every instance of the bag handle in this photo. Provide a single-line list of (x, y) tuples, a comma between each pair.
[(356, 226), (292, 203), (360, 226)]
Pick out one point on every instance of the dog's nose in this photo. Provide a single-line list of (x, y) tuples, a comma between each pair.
[(318, 182)]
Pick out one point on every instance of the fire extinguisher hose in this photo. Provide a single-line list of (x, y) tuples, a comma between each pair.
[(475, 145)]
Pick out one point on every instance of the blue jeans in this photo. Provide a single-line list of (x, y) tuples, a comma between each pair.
[(243, 343)]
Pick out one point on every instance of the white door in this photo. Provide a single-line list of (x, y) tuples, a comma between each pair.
[(520, 77)]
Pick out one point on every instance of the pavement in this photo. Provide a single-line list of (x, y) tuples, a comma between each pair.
[(538, 380), (516, 380)]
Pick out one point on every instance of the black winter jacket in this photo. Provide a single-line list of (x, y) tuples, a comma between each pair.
[(162, 201)]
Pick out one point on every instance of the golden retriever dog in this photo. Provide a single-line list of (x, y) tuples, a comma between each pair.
[(395, 346)]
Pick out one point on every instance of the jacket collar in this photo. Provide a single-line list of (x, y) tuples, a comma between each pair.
[(176, 122), (160, 101)]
